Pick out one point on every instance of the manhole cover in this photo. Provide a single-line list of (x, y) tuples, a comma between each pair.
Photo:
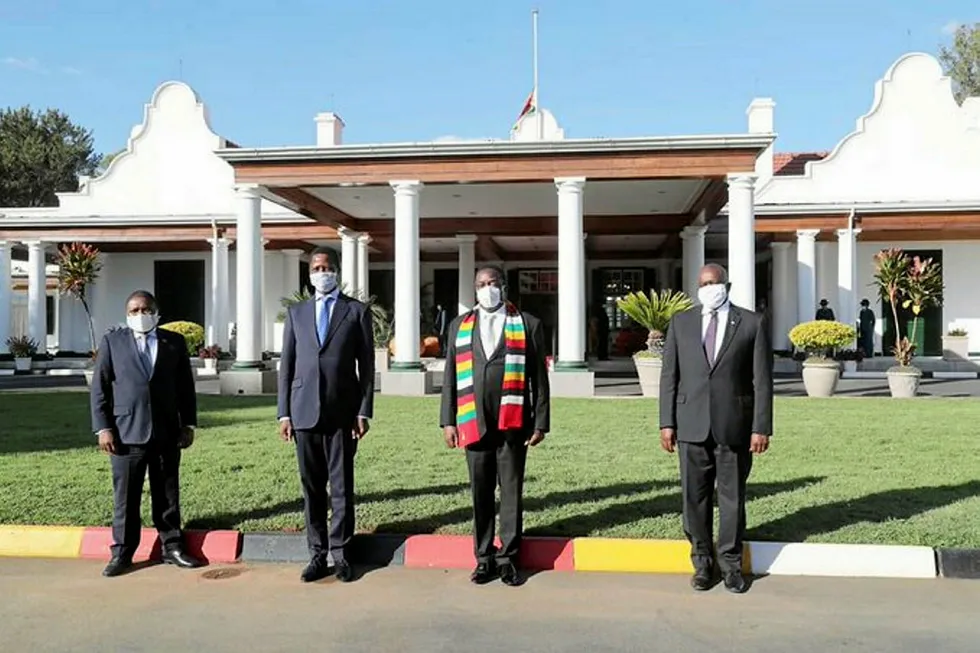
[(222, 574)]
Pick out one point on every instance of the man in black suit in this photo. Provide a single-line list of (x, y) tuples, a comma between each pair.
[(716, 408), (495, 415), (326, 397), (144, 410)]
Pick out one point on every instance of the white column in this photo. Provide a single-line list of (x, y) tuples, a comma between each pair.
[(348, 260), (6, 295), (467, 270), (783, 310), (37, 316), (363, 266), (664, 270), (290, 270), (693, 257), (806, 274), (741, 238), (571, 274), (219, 293), (406, 275), (846, 276), (248, 260)]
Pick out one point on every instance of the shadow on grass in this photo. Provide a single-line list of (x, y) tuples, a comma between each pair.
[(873, 508)]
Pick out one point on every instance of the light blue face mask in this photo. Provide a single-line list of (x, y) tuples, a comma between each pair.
[(324, 282)]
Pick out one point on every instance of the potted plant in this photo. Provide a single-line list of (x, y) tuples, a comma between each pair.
[(916, 284), (209, 355), (383, 333), (78, 269), (956, 345), (819, 340), (653, 313), (22, 348), (297, 297)]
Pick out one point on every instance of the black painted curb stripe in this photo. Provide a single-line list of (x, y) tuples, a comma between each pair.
[(381, 550), (958, 563)]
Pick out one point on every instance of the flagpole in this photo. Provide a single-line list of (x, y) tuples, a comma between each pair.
[(537, 102)]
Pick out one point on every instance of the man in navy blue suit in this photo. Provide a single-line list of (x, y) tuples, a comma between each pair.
[(326, 397), (144, 409)]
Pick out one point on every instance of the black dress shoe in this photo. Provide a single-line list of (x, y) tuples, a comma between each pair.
[(702, 580), (484, 573), (344, 572), (181, 558), (511, 575), (118, 566), (317, 569), (735, 582)]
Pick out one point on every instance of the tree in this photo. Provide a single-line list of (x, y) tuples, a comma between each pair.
[(107, 159), (962, 61), (41, 153)]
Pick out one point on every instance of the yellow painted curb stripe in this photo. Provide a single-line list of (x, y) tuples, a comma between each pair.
[(41, 541), (639, 556)]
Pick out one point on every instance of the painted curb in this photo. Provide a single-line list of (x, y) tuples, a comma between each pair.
[(456, 552), (380, 550), (209, 546), (41, 541), (958, 563), (850, 560)]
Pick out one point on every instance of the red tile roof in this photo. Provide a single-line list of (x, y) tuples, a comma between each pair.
[(793, 163)]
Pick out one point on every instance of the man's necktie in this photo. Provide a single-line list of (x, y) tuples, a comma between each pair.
[(146, 356), (323, 321), (710, 336)]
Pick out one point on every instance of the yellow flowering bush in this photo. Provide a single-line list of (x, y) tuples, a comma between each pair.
[(193, 334), (819, 337)]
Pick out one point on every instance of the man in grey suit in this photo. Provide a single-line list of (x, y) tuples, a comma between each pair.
[(716, 408), (326, 397), (144, 409)]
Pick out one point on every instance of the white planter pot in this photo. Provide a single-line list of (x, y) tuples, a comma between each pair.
[(904, 381), (89, 375), (210, 364), (820, 378), (22, 364), (381, 360), (648, 369), (956, 348), (277, 330)]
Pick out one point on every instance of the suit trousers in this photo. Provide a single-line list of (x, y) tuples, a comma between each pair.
[(130, 464), (326, 455), (702, 465), (497, 457)]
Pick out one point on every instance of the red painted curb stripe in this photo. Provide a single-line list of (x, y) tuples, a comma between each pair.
[(456, 552), (209, 546)]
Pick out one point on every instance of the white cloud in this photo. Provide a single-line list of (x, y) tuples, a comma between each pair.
[(949, 29), (70, 70), (31, 64)]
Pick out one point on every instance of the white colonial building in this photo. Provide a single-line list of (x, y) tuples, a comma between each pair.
[(220, 233)]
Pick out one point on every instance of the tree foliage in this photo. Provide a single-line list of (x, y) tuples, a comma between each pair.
[(961, 61), (42, 153)]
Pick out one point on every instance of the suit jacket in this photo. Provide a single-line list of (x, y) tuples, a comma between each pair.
[(488, 378), (332, 382), (137, 407), (731, 400)]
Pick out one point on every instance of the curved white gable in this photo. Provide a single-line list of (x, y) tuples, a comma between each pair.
[(914, 145), (169, 167)]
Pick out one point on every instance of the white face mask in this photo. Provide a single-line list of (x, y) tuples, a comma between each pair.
[(489, 297), (712, 296), (324, 282), (142, 322)]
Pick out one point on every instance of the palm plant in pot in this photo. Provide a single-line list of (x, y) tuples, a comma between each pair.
[(916, 284), (23, 349), (819, 340), (653, 313), (78, 269)]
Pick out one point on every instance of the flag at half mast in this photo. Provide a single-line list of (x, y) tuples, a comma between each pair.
[(530, 108)]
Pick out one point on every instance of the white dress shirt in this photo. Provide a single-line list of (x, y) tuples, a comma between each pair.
[(722, 312), (144, 340), (491, 329)]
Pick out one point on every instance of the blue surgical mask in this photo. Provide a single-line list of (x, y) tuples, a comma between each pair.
[(324, 282)]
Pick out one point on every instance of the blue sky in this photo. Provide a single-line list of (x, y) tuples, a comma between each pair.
[(407, 71)]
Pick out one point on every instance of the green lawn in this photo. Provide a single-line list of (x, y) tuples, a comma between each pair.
[(840, 470)]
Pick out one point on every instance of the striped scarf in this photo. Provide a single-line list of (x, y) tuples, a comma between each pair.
[(512, 399)]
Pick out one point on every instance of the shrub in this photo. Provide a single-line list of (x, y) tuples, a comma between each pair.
[(193, 334), (916, 283), (78, 269), (22, 346), (653, 313), (958, 332), (819, 337)]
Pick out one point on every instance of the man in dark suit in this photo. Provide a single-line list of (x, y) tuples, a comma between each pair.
[(144, 410), (326, 397), (495, 404), (716, 408), (825, 312)]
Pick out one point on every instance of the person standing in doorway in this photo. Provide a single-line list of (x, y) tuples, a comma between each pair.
[(866, 328), (326, 398), (825, 312), (144, 410), (716, 411), (495, 404)]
